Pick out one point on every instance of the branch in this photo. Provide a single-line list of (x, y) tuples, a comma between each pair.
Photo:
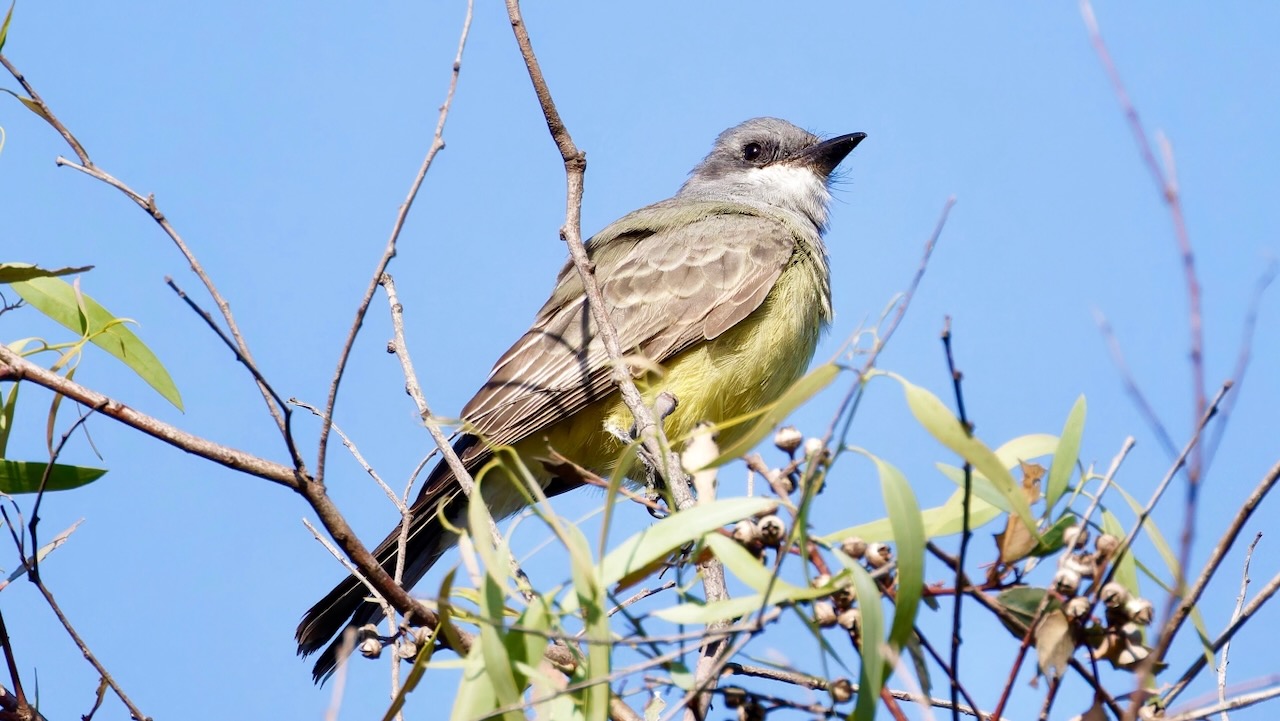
[(1226, 647), (148, 203), (647, 429), (1189, 600), (16, 368), (437, 144)]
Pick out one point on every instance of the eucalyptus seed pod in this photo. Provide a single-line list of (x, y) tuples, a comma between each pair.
[(746, 532), (788, 439), (841, 690), (1078, 608), (850, 619), (1066, 581), (879, 555), (1139, 610), (772, 531), (824, 613), (371, 647), (1107, 545), (854, 547), (1114, 595), (1075, 536)]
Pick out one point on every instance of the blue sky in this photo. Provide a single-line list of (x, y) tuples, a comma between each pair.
[(280, 138)]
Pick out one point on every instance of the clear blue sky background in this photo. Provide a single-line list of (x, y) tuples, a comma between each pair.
[(280, 138)]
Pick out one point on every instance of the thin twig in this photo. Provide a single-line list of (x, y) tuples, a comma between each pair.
[(1228, 538), (16, 368), (34, 561), (883, 338), (46, 113), (1242, 358), (1178, 463), (355, 453), (817, 683), (1226, 647), (11, 662), (1224, 544), (244, 360), (1239, 702), (1166, 181), (966, 533), (648, 430), (89, 656), (949, 669), (1131, 388), (1070, 549), (148, 204), (437, 144), (1236, 624)]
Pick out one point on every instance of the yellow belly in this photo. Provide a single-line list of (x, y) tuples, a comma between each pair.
[(733, 375)]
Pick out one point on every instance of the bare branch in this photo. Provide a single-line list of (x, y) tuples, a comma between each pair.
[(1192, 596), (437, 144), (648, 430), (1226, 647), (1239, 702), (16, 368)]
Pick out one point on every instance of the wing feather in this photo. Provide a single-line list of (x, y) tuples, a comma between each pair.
[(666, 290)]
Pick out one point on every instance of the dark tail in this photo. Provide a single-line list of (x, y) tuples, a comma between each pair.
[(346, 606)]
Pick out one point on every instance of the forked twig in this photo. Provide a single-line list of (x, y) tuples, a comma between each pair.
[(648, 430), (389, 252)]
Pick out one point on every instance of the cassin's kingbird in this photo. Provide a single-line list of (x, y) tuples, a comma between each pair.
[(725, 286)]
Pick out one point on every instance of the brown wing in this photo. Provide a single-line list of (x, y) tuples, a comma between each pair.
[(666, 291)]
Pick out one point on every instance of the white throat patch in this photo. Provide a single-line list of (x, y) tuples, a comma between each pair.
[(792, 187)]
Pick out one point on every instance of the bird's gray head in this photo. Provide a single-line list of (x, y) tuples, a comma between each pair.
[(767, 161)]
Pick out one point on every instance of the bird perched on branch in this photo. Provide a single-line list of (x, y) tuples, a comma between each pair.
[(725, 286)]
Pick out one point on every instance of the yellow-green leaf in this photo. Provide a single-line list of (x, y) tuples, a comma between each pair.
[(909, 536), (938, 420), (1064, 459), (794, 397), (59, 300), (4, 29)]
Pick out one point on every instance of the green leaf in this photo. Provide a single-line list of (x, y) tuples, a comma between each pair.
[(943, 520), (938, 420), (4, 29), (1025, 448), (1064, 459), (24, 476), (750, 571), (476, 696), (425, 651), (909, 536), (1021, 604), (871, 676), (1051, 542), (6, 417), (595, 616), (794, 397), (1126, 573), (60, 301), (15, 272), (657, 541)]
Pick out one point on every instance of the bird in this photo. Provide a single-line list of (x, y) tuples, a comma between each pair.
[(725, 287)]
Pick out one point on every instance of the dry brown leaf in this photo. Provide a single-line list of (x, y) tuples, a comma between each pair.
[(1054, 644)]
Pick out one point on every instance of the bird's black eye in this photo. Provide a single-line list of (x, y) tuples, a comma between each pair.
[(751, 151)]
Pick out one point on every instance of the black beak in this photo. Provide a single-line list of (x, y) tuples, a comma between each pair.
[(825, 156)]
